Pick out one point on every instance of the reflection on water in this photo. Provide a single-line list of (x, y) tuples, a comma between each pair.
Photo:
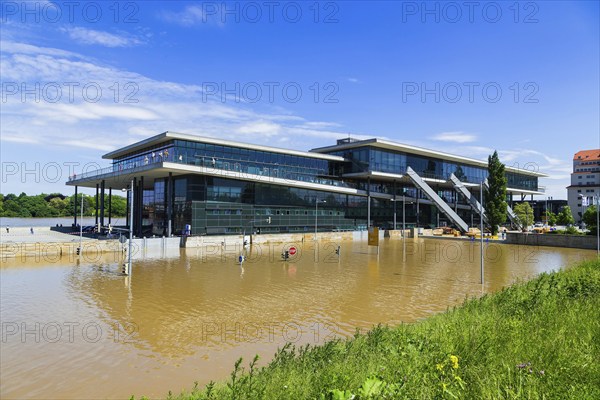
[(82, 330)]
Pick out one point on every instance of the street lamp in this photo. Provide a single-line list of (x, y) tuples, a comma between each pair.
[(394, 201), (546, 209), (81, 227), (129, 270), (481, 227), (404, 225), (317, 214)]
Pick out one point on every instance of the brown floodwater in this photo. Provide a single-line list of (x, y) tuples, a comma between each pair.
[(77, 329)]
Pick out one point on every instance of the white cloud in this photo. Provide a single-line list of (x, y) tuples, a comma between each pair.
[(24, 48), (110, 120), (261, 128), (88, 144), (551, 160), (72, 113), (456, 137), (18, 139), (320, 125), (473, 151), (89, 36), (207, 13)]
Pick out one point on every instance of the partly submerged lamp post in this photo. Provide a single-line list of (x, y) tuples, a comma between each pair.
[(404, 225), (130, 189), (394, 201), (481, 225), (81, 227), (317, 214)]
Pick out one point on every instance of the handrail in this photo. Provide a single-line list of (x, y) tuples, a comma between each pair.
[(262, 169), (235, 165)]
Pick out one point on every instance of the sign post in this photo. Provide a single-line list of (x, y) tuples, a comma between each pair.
[(373, 238)]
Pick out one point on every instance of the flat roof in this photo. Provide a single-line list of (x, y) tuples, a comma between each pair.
[(387, 144), (167, 136)]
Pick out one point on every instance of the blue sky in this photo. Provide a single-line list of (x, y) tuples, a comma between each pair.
[(522, 78)]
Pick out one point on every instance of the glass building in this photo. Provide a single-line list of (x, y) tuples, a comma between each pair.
[(224, 187)]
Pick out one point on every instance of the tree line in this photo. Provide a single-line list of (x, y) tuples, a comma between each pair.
[(56, 205)]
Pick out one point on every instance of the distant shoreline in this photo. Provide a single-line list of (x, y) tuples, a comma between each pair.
[(52, 221)]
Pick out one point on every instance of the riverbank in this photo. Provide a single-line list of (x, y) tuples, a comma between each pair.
[(538, 339)]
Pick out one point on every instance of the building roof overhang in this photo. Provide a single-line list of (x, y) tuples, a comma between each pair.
[(121, 179), (167, 136), (395, 146)]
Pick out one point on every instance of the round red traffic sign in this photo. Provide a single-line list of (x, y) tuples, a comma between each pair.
[(292, 250)]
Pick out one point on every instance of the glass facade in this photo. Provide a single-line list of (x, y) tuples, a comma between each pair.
[(363, 159), (226, 205), (313, 170), (236, 159)]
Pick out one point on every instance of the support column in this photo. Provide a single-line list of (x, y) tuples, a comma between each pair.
[(109, 204), (418, 213), (170, 204), (75, 208), (102, 184), (96, 213), (394, 204), (368, 203), (127, 208), (134, 199), (141, 207)]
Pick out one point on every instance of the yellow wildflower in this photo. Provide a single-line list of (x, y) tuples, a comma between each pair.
[(439, 367), (454, 361)]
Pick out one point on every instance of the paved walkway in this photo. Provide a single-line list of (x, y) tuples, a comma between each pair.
[(40, 235)]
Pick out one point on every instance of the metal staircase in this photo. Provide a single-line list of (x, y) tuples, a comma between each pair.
[(473, 202), (432, 195)]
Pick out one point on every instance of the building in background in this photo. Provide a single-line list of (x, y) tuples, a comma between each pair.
[(585, 181), (540, 206), (224, 187)]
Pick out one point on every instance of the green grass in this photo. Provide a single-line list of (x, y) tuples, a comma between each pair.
[(535, 340)]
